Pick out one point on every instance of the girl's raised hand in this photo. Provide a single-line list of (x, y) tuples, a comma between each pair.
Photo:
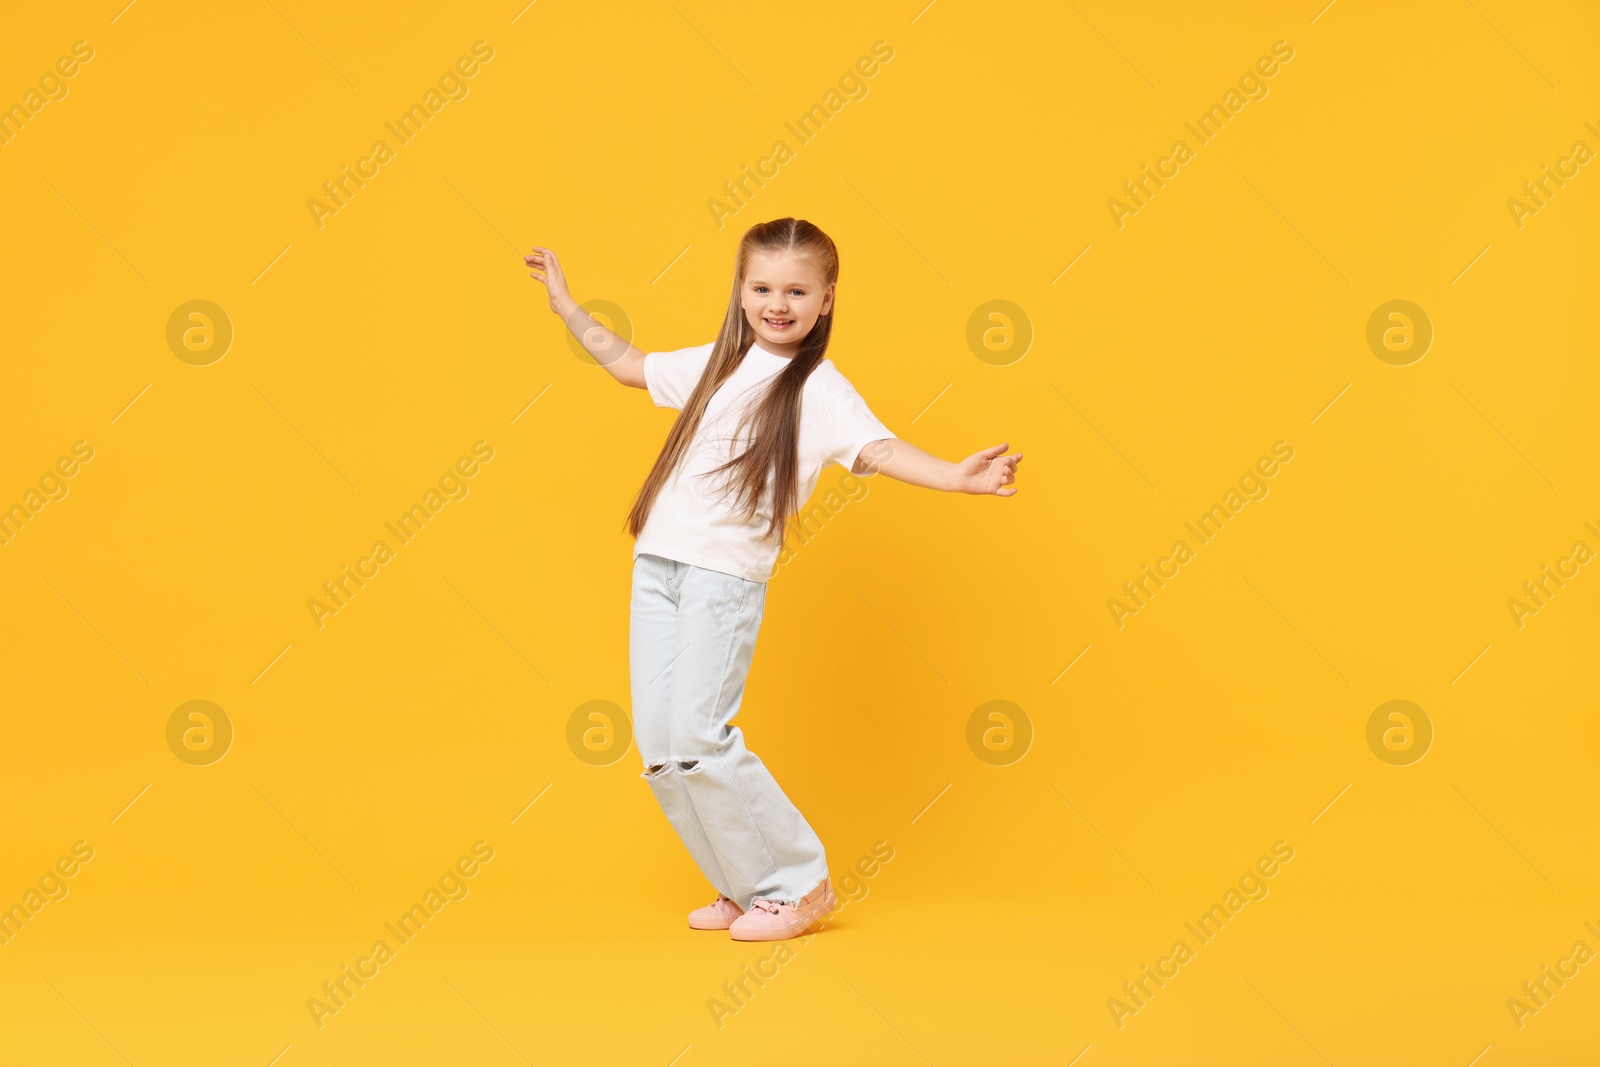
[(553, 279), (989, 471)]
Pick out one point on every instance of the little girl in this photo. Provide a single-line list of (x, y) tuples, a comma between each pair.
[(761, 412)]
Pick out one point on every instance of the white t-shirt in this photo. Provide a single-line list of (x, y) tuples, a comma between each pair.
[(691, 520)]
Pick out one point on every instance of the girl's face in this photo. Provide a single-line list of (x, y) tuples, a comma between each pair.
[(783, 295)]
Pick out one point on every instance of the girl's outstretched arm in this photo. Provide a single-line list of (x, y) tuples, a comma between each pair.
[(625, 362), (983, 472)]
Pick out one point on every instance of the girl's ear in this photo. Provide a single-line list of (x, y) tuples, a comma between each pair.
[(827, 299)]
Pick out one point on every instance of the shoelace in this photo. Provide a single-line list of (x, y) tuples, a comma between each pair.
[(765, 905)]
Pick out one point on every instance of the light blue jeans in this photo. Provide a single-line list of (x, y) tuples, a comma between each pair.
[(692, 634)]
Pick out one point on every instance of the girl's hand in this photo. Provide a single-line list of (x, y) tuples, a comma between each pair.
[(553, 278), (987, 471)]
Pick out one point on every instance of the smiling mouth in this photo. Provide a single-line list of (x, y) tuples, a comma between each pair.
[(778, 324)]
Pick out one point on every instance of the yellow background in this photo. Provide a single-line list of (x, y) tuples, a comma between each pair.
[(1227, 715)]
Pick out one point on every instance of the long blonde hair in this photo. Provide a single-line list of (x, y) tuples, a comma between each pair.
[(775, 418)]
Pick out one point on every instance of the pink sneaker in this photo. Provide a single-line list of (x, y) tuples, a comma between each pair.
[(771, 920), (718, 915)]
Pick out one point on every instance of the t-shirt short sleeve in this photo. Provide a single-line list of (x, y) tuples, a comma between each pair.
[(848, 426), (672, 376)]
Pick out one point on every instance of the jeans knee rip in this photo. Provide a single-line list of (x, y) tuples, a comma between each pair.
[(685, 766)]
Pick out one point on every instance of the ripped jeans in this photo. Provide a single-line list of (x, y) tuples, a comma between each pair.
[(691, 637)]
